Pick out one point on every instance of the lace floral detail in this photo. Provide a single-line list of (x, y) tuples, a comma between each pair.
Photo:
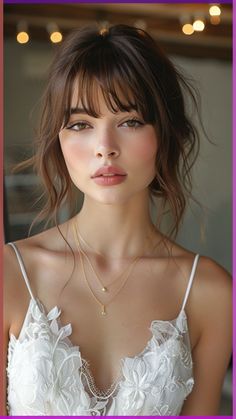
[(159, 374), (162, 411), (136, 384), (48, 381), (46, 372)]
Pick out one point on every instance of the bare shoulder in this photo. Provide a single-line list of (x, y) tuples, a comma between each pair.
[(32, 252), (212, 283), (207, 268), (16, 297), (210, 317), (211, 269), (210, 302), (210, 299), (211, 279), (45, 268)]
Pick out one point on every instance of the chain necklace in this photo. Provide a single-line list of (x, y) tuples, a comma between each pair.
[(85, 242), (102, 305), (103, 287)]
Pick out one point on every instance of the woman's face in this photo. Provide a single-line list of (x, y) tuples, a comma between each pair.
[(119, 144)]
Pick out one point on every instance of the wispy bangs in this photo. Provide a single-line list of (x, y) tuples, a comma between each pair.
[(111, 74)]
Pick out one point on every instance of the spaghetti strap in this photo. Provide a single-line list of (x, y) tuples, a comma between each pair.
[(190, 281), (22, 268)]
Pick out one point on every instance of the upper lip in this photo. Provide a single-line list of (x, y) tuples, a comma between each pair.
[(109, 170)]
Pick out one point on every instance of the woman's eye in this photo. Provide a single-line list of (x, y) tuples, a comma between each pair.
[(78, 126), (132, 123)]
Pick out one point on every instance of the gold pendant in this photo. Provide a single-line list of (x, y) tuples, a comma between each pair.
[(104, 311)]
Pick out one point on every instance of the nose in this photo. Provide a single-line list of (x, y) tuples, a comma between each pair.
[(107, 148)]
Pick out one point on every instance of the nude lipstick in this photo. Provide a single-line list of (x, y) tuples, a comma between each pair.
[(109, 176)]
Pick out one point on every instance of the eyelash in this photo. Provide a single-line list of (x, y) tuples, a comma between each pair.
[(77, 124), (137, 122)]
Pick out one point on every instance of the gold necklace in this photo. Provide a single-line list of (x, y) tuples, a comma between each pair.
[(103, 306), (103, 287), (85, 242)]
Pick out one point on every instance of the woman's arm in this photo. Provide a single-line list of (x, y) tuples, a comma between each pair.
[(212, 306)]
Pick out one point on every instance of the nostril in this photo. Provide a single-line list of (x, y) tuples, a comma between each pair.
[(112, 153), (107, 153)]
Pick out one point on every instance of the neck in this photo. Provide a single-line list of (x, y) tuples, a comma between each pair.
[(117, 231)]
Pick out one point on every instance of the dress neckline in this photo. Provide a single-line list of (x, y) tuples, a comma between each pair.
[(54, 315)]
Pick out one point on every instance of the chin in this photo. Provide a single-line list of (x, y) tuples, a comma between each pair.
[(114, 196), (110, 198)]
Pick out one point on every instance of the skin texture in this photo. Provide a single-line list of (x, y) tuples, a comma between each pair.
[(117, 227)]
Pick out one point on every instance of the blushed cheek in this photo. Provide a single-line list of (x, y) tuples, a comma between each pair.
[(145, 151), (74, 155), (76, 160)]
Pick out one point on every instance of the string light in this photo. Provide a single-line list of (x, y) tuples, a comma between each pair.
[(56, 37), (54, 33), (186, 25), (22, 35), (198, 25), (214, 10), (187, 29)]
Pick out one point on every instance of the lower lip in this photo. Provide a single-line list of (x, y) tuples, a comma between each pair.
[(109, 180)]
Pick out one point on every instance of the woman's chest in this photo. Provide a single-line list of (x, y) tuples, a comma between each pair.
[(125, 329), (46, 369)]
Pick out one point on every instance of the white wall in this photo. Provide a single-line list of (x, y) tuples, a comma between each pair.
[(212, 174)]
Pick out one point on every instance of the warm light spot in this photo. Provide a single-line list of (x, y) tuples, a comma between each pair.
[(22, 37), (215, 20), (56, 37), (198, 25), (214, 11), (188, 29)]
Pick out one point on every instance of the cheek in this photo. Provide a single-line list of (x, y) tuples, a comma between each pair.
[(74, 154), (145, 150)]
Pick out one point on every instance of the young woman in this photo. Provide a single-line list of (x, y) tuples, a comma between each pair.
[(104, 314)]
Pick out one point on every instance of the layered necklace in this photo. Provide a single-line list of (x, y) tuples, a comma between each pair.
[(123, 277)]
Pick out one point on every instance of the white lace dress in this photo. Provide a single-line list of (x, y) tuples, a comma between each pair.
[(47, 375)]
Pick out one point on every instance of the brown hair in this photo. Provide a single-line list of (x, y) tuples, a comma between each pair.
[(132, 71)]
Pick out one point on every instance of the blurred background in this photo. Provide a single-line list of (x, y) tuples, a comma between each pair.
[(197, 39)]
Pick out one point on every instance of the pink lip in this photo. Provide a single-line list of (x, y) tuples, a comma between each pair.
[(109, 180), (108, 170)]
